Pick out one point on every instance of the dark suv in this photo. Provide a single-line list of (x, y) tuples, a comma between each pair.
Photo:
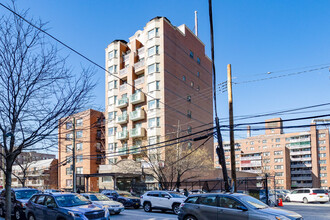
[(126, 198), (63, 206), (19, 198)]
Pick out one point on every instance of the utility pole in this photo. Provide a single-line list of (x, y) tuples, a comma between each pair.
[(74, 176), (231, 127), (178, 151)]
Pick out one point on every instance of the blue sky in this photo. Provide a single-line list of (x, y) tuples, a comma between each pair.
[(255, 36)]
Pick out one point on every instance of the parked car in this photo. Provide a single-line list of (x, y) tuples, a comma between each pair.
[(163, 200), (271, 198), (51, 190), (126, 198), (196, 191), (19, 198), (104, 202), (222, 206), (308, 195), (63, 206)]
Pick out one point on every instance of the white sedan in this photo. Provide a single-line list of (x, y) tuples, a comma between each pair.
[(103, 201)]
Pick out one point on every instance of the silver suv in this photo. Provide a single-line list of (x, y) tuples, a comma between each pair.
[(163, 200)]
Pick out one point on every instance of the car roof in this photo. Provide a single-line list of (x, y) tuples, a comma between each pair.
[(215, 194), (20, 189)]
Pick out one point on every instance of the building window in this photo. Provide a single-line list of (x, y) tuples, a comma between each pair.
[(198, 60), (266, 167), (153, 50), (106, 179), (183, 78), (323, 168), (278, 145), (279, 174), (68, 125), (112, 147), (323, 155), (112, 100), (154, 122), (278, 139), (68, 171), (322, 148), (79, 134), (79, 122), (278, 167), (323, 175), (264, 141), (278, 160), (322, 135), (188, 98), (322, 142), (192, 84), (79, 170), (153, 86), (153, 68), (252, 142), (68, 148), (189, 145), (79, 146), (154, 140), (112, 131), (324, 181), (112, 116), (278, 152), (251, 148), (191, 54), (69, 182), (264, 147), (266, 161), (189, 114), (153, 104), (79, 158), (68, 159), (198, 74), (68, 136), (279, 181), (112, 54), (322, 161), (112, 69), (153, 33), (113, 84)]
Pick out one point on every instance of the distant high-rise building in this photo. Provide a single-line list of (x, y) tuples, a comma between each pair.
[(299, 159), (160, 64)]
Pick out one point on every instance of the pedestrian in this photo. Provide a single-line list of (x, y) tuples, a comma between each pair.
[(185, 192)]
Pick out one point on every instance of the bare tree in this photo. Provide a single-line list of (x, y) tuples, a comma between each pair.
[(36, 90), (23, 166)]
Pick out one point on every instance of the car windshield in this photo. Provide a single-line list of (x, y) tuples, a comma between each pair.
[(176, 195), (254, 202), (124, 194), (71, 200), (25, 194), (99, 197)]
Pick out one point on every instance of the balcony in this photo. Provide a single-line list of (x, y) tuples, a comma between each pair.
[(251, 158), (300, 146), (301, 165), (135, 149), (123, 150), (299, 140), (122, 119), (122, 135), (301, 172), (139, 67), (123, 87), (136, 115), (301, 159), (302, 185), (137, 98), (295, 153), (251, 164), (121, 103), (126, 57), (123, 72), (299, 178), (253, 171), (140, 52), (139, 81), (137, 132)]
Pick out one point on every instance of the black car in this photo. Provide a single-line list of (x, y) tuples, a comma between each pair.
[(126, 198), (63, 206), (19, 198)]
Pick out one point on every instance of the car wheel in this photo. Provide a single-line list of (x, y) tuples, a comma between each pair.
[(305, 200), (176, 208), (18, 214), (31, 217), (288, 199), (147, 207), (190, 217), (323, 202)]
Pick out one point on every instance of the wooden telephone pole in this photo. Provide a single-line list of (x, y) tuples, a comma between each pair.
[(231, 127)]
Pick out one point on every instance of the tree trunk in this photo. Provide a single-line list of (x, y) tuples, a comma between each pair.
[(8, 188)]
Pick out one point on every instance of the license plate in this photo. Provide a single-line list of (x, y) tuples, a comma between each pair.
[(321, 196)]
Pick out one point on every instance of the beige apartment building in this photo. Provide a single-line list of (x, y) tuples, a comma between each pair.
[(299, 159), (160, 64), (89, 141)]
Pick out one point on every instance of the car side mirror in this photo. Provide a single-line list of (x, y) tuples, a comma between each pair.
[(243, 208), (166, 196)]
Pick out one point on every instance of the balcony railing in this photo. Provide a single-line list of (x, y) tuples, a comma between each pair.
[(121, 103), (122, 119), (123, 87), (301, 165), (141, 52), (137, 132), (139, 81), (300, 146), (137, 98), (294, 153), (136, 115), (302, 185), (297, 178), (139, 66), (126, 57), (122, 135), (252, 164), (251, 158), (123, 72), (301, 159), (301, 172), (135, 149)]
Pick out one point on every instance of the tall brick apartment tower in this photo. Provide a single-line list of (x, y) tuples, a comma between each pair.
[(169, 65)]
